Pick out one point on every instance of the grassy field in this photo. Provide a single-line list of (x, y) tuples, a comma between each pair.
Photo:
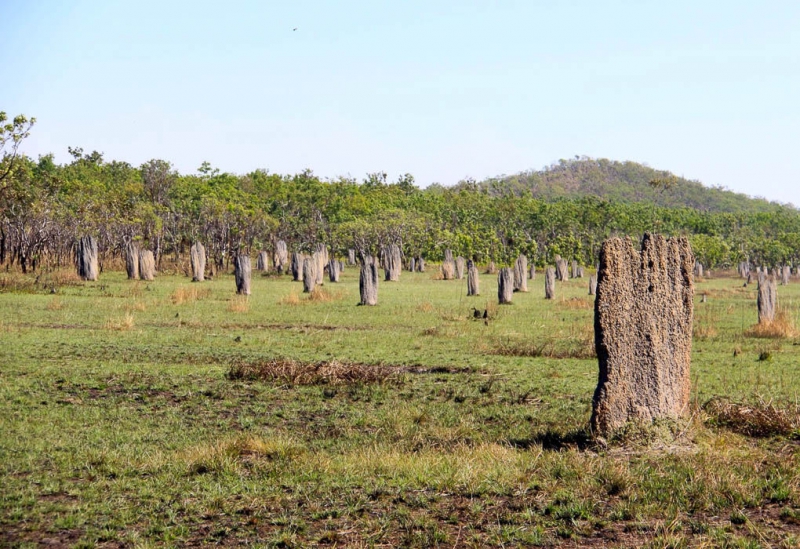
[(170, 413)]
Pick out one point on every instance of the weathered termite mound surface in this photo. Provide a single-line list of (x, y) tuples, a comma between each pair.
[(643, 331), (147, 265), (280, 257), (132, 261), (197, 256), (368, 281), (241, 273), (87, 258), (505, 285), (767, 300), (473, 280)]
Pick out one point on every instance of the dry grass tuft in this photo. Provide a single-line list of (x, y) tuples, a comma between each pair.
[(780, 328), (189, 294), (230, 454), (63, 277), (312, 373), (759, 419), (321, 295), (138, 306), (425, 307), (704, 332), (55, 304), (577, 303), (318, 295), (121, 324), (581, 347), (239, 304), (292, 299)]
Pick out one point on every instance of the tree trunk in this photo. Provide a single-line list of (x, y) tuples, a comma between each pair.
[(297, 266), (333, 271), (241, 272), (473, 280), (262, 263), (393, 263), (460, 268), (767, 298), (310, 268), (643, 331), (505, 286), (87, 259), (521, 274), (368, 281), (147, 265), (197, 257), (550, 283), (132, 260)]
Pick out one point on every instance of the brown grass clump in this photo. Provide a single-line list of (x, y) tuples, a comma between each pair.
[(704, 332), (62, 277), (561, 347), (425, 307), (55, 304), (317, 295), (239, 304), (189, 294), (14, 282), (780, 328), (759, 419), (292, 299), (230, 454), (577, 303), (312, 373), (121, 324), (321, 295), (136, 306)]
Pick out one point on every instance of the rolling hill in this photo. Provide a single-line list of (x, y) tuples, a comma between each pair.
[(625, 182)]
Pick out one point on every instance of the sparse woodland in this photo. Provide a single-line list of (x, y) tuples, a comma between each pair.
[(45, 208)]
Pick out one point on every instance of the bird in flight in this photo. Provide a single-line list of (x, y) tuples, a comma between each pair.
[(294, 29)]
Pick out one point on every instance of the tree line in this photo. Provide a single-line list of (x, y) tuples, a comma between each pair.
[(46, 207)]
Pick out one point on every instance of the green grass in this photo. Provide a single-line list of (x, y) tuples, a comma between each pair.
[(120, 426)]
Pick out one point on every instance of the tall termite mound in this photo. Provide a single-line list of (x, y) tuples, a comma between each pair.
[(473, 280), (147, 265), (521, 274), (505, 285), (643, 331), (86, 258), (197, 256), (767, 298), (368, 281), (241, 273), (132, 261)]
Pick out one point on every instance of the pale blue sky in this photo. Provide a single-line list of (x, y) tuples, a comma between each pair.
[(441, 89)]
